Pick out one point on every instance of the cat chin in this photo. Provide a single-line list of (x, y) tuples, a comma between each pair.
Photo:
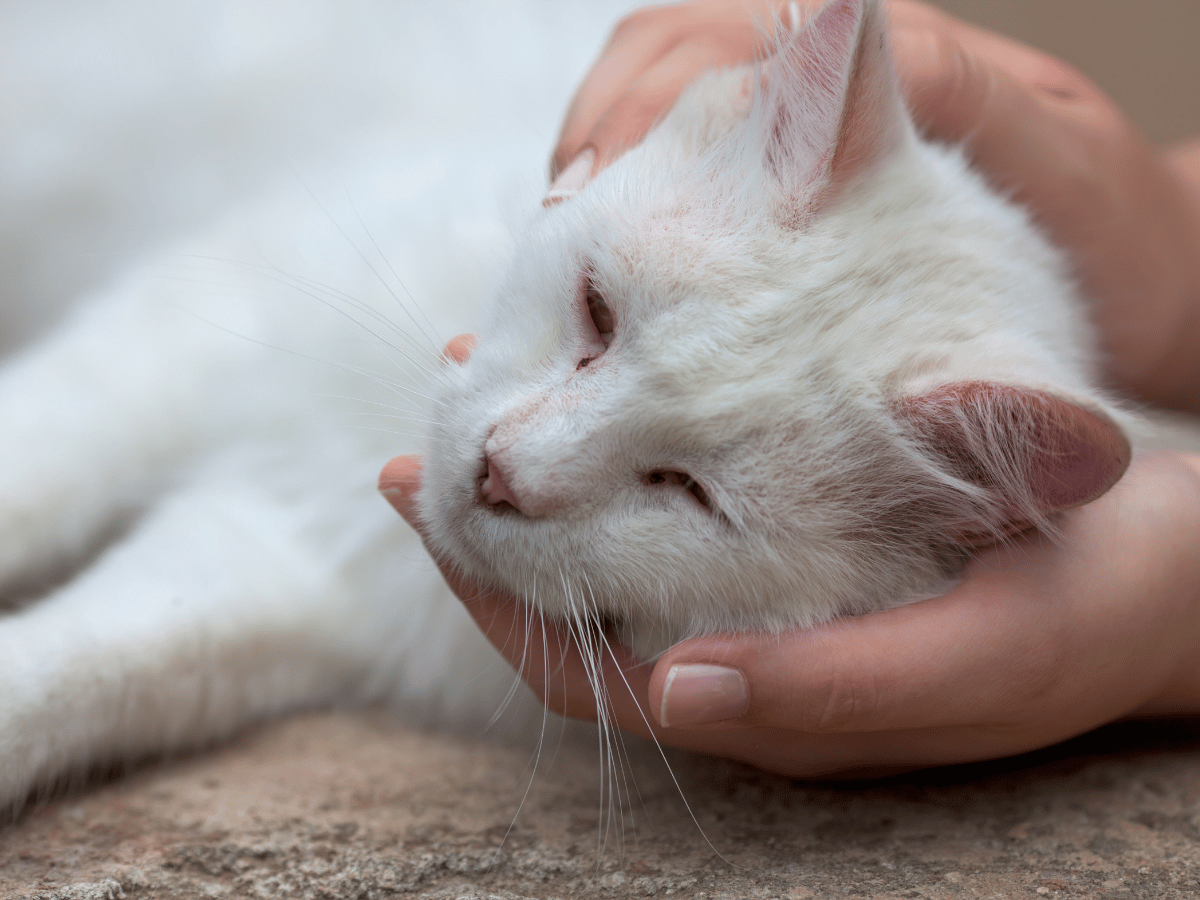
[(648, 639)]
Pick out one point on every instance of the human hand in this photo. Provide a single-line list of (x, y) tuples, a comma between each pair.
[(1039, 642), (1040, 131)]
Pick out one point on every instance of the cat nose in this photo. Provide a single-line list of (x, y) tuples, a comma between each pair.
[(495, 489)]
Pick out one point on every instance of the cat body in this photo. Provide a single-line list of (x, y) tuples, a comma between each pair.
[(834, 363)]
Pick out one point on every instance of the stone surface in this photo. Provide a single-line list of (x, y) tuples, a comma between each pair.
[(357, 805)]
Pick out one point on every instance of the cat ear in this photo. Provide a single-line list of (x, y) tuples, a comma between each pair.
[(831, 105), (1031, 452)]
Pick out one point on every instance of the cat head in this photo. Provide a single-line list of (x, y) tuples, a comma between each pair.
[(782, 361)]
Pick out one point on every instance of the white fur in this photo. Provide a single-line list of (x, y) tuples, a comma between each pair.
[(185, 418), (761, 357), (188, 419)]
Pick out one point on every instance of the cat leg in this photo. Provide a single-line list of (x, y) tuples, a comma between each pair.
[(97, 418), (238, 598)]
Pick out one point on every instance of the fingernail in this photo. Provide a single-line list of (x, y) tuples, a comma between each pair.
[(570, 181), (696, 694)]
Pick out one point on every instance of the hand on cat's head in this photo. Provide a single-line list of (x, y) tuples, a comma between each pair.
[(1039, 129), (1039, 642)]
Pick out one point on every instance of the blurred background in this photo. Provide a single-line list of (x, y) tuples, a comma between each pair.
[(127, 124)]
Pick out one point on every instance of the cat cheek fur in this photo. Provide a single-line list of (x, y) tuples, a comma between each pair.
[(874, 363)]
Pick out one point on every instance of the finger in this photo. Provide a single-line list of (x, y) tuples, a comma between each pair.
[(1043, 147), (915, 667), (964, 83), (636, 42), (646, 38), (631, 116), (1037, 634)]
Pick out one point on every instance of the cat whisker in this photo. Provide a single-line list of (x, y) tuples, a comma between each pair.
[(311, 289), (388, 406), (377, 415), (584, 628), (431, 338), (584, 625), (362, 307), (537, 756), (516, 682), (663, 754), (622, 749), (438, 342)]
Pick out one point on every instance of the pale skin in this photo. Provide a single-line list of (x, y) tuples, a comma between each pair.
[(1041, 640)]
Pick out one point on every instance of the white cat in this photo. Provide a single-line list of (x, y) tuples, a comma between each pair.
[(783, 361)]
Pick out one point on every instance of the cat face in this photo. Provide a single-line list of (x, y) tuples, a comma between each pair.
[(782, 361)]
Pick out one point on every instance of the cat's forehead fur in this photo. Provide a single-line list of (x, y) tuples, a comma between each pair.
[(679, 238)]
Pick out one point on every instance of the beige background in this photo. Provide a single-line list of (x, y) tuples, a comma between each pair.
[(1144, 53)]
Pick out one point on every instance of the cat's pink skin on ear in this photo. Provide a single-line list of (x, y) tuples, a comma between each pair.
[(832, 102), (1041, 452)]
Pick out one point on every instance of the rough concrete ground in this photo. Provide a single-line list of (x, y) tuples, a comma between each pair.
[(356, 805)]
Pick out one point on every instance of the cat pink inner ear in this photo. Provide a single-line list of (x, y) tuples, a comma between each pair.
[(833, 106), (1041, 453)]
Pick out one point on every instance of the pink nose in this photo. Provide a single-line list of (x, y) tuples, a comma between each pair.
[(495, 489)]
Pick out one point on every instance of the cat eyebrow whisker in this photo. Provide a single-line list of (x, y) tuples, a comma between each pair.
[(393, 386), (431, 338), (396, 431), (310, 287), (363, 307), (388, 406), (416, 420), (437, 342)]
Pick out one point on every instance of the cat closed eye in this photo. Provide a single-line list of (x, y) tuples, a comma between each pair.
[(601, 321), (601, 315), (683, 480)]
